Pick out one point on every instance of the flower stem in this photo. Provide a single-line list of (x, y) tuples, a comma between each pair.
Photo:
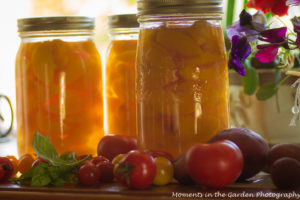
[(282, 81), (278, 18), (229, 15)]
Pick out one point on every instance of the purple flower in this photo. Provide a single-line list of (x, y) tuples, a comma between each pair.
[(247, 25), (240, 50), (276, 38), (292, 2), (296, 23)]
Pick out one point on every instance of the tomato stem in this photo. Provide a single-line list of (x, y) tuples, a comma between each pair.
[(125, 169)]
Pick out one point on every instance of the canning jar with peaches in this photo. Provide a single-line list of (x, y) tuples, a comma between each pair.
[(181, 74), (59, 84)]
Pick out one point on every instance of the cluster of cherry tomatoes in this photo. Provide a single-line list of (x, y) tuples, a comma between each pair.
[(213, 165)]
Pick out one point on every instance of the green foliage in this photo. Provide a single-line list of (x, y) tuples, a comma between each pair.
[(57, 171), (250, 81), (266, 91)]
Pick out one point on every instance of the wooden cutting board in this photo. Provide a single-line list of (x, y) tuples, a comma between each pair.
[(259, 187)]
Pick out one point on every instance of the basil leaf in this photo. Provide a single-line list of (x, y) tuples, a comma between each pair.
[(59, 182), (40, 180), (250, 81), (68, 156), (40, 176), (266, 91), (43, 148)]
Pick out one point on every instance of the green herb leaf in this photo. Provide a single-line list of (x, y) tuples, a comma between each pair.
[(266, 91), (250, 81), (58, 170), (43, 148), (68, 157), (40, 176)]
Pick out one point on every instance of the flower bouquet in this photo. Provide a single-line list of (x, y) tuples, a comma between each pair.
[(263, 38)]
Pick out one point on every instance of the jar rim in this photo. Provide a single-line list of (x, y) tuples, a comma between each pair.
[(123, 21), (55, 23), (150, 7)]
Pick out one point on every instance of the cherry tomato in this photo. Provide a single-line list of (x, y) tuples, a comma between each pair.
[(113, 145), (2, 172), (89, 174), (136, 170), (214, 165), (25, 163), (98, 159), (14, 162), (8, 168), (37, 161), (116, 160), (164, 171), (106, 169), (158, 153)]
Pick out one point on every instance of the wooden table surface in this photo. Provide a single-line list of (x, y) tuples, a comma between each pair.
[(259, 187)]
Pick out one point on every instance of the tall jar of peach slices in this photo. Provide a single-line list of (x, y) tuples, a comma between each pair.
[(120, 75), (59, 84), (182, 75)]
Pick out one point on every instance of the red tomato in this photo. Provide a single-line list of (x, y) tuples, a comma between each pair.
[(136, 170), (89, 174), (8, 168), (98, 159), (158, 153), (214, 165), (113, 145), (106, 169), (2, 172)]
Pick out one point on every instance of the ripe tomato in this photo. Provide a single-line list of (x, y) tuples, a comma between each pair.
[(14, 162), (106, 169), (2, 172), (164, 171), (158, 153), (25, 163), (98, 159), (8, 168), (89, 174), (113, 145), (214, 165), (136, 170)]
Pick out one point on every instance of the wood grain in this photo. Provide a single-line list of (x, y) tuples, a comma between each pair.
[(261, 184)]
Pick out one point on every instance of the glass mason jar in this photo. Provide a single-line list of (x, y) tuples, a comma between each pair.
[(59, 84), (181, 74), (120, 75)]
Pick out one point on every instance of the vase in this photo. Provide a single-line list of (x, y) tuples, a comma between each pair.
[(263, 117)]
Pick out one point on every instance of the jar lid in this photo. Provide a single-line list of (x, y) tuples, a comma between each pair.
[(55, 23), (149, 7), (123, 21)]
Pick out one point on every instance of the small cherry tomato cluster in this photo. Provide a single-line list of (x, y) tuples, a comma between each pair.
[(95, 170), (138, 169), (10, 166)]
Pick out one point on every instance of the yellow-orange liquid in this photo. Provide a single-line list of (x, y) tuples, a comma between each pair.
[(182, 85), (59, 94), (120, 87)]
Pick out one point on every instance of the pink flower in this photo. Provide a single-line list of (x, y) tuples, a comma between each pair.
[(276, 38), (296, 23)]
